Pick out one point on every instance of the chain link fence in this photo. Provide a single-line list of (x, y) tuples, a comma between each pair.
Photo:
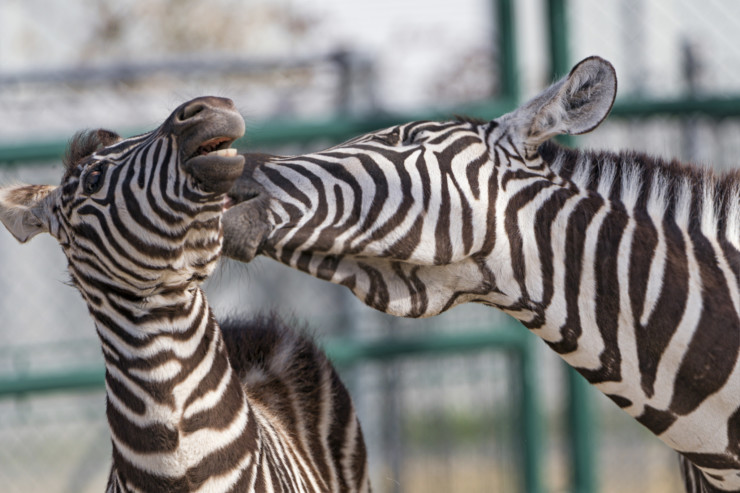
[(442, 423)]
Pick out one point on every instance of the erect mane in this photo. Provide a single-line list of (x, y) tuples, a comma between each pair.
[(638, 173), (84, 143)]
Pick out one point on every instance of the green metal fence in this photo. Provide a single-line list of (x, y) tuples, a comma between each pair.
[(511, 338)]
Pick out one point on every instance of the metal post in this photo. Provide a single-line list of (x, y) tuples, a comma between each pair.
[(582, 437), (580, 418), (533, 442), (506, 40)]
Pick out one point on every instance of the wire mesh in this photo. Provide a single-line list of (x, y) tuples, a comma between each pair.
[(125, 64)]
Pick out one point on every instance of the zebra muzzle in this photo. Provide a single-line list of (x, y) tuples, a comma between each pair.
[(215, 171)]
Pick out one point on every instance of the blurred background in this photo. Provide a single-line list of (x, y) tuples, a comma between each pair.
[(465, 402)]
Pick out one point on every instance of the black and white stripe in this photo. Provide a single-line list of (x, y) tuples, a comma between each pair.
[(627, 266), (191, 407)]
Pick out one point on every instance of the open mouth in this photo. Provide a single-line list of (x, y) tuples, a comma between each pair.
[(220, 146), (215, 165)]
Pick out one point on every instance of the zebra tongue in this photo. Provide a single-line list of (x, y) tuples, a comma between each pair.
[(216, 171)]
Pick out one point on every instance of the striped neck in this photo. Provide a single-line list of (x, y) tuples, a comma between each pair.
[(175, 407), (633, 283)]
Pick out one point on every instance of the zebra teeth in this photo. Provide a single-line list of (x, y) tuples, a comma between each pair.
[(230, 152)]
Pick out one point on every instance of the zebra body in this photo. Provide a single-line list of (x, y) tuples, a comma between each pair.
[(625, 265), (255, 407)]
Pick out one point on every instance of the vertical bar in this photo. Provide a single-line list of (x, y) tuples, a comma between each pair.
[(506, 39), (530, 424), (557, 11), (581, 427), (580, 417), (558, 37)]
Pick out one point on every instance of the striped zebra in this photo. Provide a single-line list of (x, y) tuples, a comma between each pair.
[(627, 266), (251, 407)]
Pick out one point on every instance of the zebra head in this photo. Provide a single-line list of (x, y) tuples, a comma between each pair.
[(412, 218), (139, 215)]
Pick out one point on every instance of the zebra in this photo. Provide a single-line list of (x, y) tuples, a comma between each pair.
[(250, 406), (626, 265)]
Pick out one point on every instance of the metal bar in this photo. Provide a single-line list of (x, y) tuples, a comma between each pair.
[(508, 69), (558, 37), (277, 132), (508, 337), (127, 72), (90, 378), (581, 422), (711, 107), (533, 438)]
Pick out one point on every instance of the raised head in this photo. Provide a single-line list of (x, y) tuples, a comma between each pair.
[(389, 211), (141, 215)]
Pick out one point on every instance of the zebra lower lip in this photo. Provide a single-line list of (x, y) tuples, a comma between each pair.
[(215, 172)]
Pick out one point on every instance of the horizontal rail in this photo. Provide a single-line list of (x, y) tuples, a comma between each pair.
[(280, 131), (712, 107), (185, 67), (509, 337), (271, 133)]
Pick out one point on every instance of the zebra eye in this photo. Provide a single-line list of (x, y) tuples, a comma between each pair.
[(93, 179), (391, 138)]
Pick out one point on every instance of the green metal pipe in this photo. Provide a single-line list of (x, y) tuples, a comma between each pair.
[(508, 337), (332, 130), (508, 69), (582, 424), (90, 378), (530, 419), (278, 132)]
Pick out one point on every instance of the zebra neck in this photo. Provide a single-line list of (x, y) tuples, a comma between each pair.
[(173, 398), (630, 274)]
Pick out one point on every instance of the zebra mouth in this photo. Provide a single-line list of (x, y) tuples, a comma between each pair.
[(220, 146), (215, 165)]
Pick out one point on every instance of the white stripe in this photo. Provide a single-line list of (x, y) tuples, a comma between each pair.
[(590, 343), (676, 348), (557, 312), (656, 206), (532, 266)]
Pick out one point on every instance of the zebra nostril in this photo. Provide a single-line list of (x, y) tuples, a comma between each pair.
[(190, 111)]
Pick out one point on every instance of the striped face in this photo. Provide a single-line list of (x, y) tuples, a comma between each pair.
[(140, 215), (363, 198)]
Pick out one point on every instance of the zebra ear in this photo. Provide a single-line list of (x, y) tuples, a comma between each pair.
[(25, 210), (576, 104)]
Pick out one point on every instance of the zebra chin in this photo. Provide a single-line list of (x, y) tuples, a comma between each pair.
[(215, 174)]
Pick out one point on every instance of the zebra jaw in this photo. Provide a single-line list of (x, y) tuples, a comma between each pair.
[(215, 170)]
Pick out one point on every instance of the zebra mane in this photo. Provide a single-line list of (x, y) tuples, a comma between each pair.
[(84, 143), (470, 119), (632, 177)]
